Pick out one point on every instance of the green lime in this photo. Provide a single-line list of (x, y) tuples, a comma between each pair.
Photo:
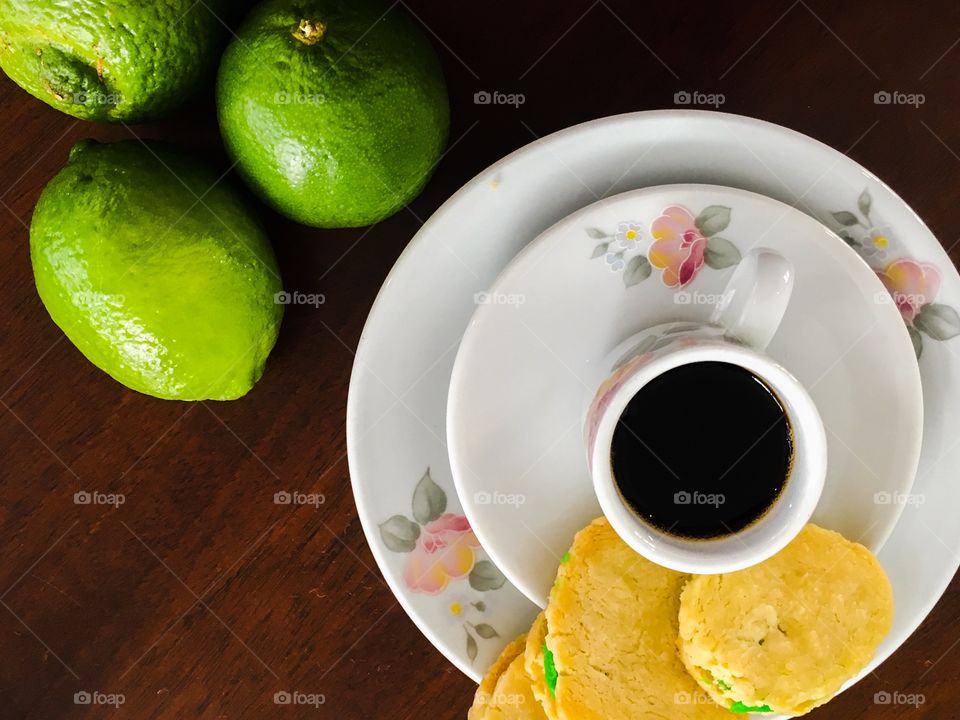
[(110, 59), (336, 111), (156, 271)]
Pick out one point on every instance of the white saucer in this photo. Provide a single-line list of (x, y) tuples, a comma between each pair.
[(531, 360), (396, 412)]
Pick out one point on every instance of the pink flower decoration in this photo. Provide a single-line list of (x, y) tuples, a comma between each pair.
[(444, 552), (912, 284), (678, 246)]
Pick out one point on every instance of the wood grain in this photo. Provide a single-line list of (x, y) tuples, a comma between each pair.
[(200, 598)]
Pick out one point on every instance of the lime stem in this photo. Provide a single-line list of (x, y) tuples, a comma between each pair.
[(310, 32)]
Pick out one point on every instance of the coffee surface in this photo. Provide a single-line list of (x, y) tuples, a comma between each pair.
[(703, 450)]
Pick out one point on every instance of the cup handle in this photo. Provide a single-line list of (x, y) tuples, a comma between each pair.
[(753, 303)]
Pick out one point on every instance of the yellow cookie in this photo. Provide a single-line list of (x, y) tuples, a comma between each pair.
[(533, 664), (512, 698), (789, 632), (612, 631), (481, 700)]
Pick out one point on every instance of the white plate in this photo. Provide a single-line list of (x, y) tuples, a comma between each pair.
[(396, 410), (530, 360)]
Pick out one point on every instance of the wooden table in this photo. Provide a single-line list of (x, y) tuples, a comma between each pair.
[(198, 597)]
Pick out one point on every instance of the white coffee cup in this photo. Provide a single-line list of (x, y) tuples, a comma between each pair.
[(742, 325)]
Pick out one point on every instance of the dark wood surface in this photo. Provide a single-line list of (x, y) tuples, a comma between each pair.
[(199, 598)]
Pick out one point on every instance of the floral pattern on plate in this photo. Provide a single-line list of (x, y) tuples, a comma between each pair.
[(441, 549), (913, 285), (681, 243)]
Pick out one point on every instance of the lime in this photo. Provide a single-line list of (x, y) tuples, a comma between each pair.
[(110, 59), (156, 272), (336, 111)]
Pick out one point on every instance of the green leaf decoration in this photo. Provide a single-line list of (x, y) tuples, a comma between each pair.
[(638, 269), (429, 500), (917, 339), (721, 253), (600, 250), (480, 605), (939, 321), (645, 345), (713, 219), (399, 534), (485, 631), (485, 576), (864, 202), (472, 648), (850, 240), (597, 233), (845, 218)]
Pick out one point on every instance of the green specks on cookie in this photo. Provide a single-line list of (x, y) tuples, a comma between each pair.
[(739, 707), (549, 670), (566, 558)]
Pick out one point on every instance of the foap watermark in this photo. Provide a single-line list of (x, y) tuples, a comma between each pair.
[(695, 97), (299, 98), (499, 298), (899, 698), (698, 498), (295, 697), (900, 299), (501, 699), (85, 497), (896, 97), (898, 498), (284, 497), (95, 697), (685, 297), (692, 698), (298, 298), (499, 498), (496, 97), (90, 297), (97, 98)]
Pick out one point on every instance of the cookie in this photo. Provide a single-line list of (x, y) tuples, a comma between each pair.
[(612, 632), (512, 698), (785, 635), (533, 662), (481, 700)]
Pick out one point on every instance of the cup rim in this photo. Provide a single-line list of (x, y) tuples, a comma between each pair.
[(765, 536)]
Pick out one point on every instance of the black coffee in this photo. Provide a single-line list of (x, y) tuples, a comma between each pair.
[(702, 450)]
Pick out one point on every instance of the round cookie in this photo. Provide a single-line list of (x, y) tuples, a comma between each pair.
[(534, 665), (785, 635), (612, 630), (481, 700), (512, 698)]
